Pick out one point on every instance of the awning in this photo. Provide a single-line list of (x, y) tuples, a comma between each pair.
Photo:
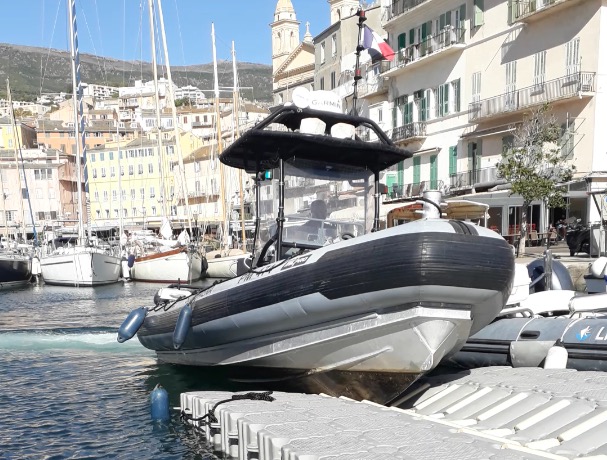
[(489, 132)]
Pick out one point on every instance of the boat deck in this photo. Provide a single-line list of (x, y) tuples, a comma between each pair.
[(487, 413)]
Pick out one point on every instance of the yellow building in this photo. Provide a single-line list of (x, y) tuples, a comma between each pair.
[(26, 135), (130, 180)]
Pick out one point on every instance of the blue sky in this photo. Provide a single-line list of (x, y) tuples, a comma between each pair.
[(112, 27)]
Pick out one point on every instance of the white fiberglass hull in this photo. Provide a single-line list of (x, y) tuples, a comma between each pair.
[(227, 266), (168, 267), (80, 268)]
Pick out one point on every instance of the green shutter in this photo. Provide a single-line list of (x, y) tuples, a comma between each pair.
[(411, 36), (453, 160), (402, 41), (408, 113), (446, 99), (401, 174), (433, 173), (448, 18), (442, 21), (416, 169), (424, 30), (479, 8)]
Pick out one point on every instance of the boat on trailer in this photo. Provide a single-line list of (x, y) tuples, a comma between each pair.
[(335, 306)]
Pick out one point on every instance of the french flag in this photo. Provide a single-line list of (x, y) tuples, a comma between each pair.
[(377, 47)]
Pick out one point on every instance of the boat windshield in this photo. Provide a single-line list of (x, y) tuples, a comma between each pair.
[(317, 211)]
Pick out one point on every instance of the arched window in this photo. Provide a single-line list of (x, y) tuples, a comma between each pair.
[(277, 42)]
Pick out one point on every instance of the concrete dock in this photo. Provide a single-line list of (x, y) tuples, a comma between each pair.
[(488, 413)]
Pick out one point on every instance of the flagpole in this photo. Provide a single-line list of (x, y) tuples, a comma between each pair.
[(359, 47)]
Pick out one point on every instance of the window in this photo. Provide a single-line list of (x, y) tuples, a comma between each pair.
[(98, 214), (24, 193), (322, 53), (123, 193), (332, 80), (96, 195), (105, 195), (333, 45), (114, 195), (196, 166), (416, 169), (112, 171), (433, 172), (140, 169), (567, 140), (479, 12), (131, 170), (507, 143), (476, 87), (197, 186), (125, 213), (132, 194), (134, 212), (322, 83), (572, 56), (102, 172), (122, 170), (115, 213), (442, 105), (152, 192), (107, 213), (510, 101), (101, 156), (539, 72), (150, 168), (153, 210), (142, 193), (94, 173), (111, 156)]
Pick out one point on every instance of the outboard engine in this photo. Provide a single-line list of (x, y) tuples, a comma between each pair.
[(561, 278)]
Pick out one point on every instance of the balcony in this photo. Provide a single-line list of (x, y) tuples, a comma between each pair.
[(397, 192), (371, 88), (408, 132), (399, 7), (449, 39), (519, 10), (576, 84), (475, 177)]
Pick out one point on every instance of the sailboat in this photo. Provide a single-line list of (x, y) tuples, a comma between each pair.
[(169, 260), (81, 264), (227, 262)]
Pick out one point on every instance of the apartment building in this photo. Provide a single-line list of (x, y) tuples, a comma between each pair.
[(25, 135), (468, 71), (133, 182), (47, 178)]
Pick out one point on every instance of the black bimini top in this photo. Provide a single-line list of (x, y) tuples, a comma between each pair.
[(261, 147)]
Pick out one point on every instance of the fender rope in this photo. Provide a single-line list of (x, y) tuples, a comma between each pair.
[(210, 415)]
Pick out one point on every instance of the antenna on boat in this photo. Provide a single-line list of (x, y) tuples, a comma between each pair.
[(359, 47)]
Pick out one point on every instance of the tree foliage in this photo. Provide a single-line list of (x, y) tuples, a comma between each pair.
[(538, 162)]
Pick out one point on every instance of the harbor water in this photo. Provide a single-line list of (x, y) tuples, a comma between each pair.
[(70, 390)]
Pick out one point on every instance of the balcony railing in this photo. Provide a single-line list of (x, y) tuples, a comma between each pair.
[(565, 87), (521, 9), (413, 190), (409, 131), (435, 43), (379, 85), (399, 7), (466, 179)]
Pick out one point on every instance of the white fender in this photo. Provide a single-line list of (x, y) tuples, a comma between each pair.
[(597, 269)]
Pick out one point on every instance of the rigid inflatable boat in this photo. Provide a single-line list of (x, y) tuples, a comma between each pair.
[(332, 305)]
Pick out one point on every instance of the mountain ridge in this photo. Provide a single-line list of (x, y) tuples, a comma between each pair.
[(25, 65)]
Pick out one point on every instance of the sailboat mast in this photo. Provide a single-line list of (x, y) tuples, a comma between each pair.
[(222, 191), (120, 205), (236, 124), (16, 152), (76, 98), (164, 196), (174, 116)]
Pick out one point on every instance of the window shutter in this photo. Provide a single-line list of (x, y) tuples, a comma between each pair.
[(416, 169), (462, 16), (446, 99), (456, 95), (453, 160), (402, 41), (479, 8), (411, 36), (424, 30), (433, 173), (442, 21), (423, 107)]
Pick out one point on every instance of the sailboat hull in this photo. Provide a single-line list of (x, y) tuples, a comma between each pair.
[(227, 266), (80, 269), (173, 266), (15, 270)]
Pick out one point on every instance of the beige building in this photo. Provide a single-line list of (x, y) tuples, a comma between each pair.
[(132, 182), (26, 135), (467, 72)]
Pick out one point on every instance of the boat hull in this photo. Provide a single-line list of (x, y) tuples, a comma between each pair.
[(396, 301), (86, 268), (227, 266), (172, 266), (15, 270)]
